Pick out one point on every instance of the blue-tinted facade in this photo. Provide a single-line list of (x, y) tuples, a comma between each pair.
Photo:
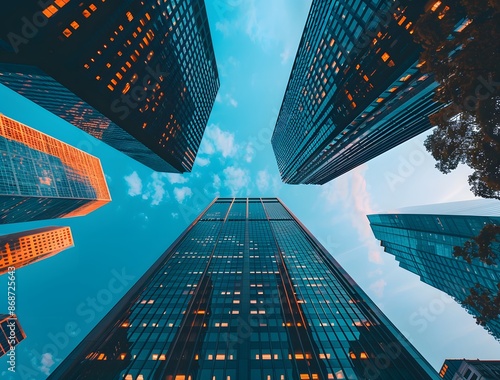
[(423, 244), (246, 292), (355, 90), (139, 75), (463, 369), (44, 178)]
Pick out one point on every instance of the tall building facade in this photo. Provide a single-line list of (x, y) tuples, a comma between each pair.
[(246, 292), (44, 178), (139, 75), (356, 89), (11, 333), (27, 247), (463, 369), (422, 241)]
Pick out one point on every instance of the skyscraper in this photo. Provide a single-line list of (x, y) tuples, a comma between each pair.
[(11, 333), (27, 247), (246, 292), (139, 75), (355, 90), (463, 369), (44, 178), (422, 240)]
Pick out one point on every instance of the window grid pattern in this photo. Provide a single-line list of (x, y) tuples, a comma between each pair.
[(354, 83), (423, 244), (244, 295)]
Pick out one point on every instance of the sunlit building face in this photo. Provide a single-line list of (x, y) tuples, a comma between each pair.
[(355, 90), (246, 292), (27, 247), (44, 178), (139, 75)]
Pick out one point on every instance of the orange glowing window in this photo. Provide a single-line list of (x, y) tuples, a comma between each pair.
[(363, 355), (163, 357), (93, 7), (129, 15), (98, 77), (154, 356), (324, 356), (304, 376), (352, 355), (119, 76), (435, 6), (86, 66), (401, 20), (75, 25), (126, 88), (365, 77), (266, 356), (61, 3), (393, 89), (67, 32), (86, 13), (123, 356), (50, 11), (115, 82), (405, 78), (332, 42), (133, 58), (199, 312), (148, 16), (385, 57), (102, 357), (443, 13), (299, 356), (111, 88), (220, 357), (380, 100)]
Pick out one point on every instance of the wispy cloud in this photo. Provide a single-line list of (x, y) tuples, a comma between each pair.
[(235, 179), (378, 287), (217, 140), (216, 181), (181, 193), (154, 188), (46, 362), (174, 178), (263, 179), (351, 193), (134, 183), (249, 152), (201, 161)]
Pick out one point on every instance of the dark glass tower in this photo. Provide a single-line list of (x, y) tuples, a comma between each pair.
[(11, 333), (422, 240), (464, 369), (246, 292), (44, 178), (139, 75), (355, 90)]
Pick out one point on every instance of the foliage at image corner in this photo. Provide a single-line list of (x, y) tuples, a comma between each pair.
[(465, 64)]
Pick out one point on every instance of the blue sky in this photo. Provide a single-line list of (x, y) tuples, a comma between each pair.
[(60, 300)]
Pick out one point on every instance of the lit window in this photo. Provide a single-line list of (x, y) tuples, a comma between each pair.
[(220, 357), (67, 32), (130, 17), (86, 13), (93, 7), (435, 6), (49, 11), (385, 57), (75, 25), (363, 355)]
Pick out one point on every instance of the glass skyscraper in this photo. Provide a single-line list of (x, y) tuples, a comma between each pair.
[(44, 178), (246, 292), (355, 90), (422, 240), (23, 248), (139, 75), (464, 369)]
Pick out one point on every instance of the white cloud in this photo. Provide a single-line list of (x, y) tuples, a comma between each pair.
[(350, 191), (249, 152), (378, 287), (202, 161), (182, 193), (235, 179), (46, 361), (174, 178), (233, 102), (134, 183), (216, 181), (285, 55), (156, 189), (263, 179), (175, 215), (218, 140)]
